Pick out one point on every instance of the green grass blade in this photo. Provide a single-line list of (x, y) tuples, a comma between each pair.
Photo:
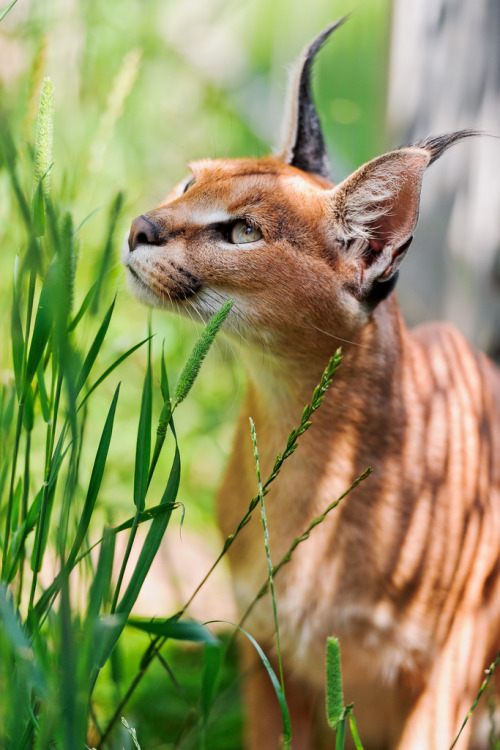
[(95, 348), (165, 390), (340, 735), (88, 508), (42, 530), (16, 504), (52, 590), (95, 628), (153, 539), (35, 512), (146, 515), (95, 479), (29, 410), (200, 351), (70, 726), (83, 307), (20, 535), (86, 220), (17, 339), (285, 716), (112, 367), (7, 403), (334, 694), (161, 433), (106, 255), (175, 629), (38, 211), (99, 591), (47, 502), (164, 420), (212, 660), (143, 445), (43, 322), (42, 392), (9, 154), (354, 732), (68, 260), (6, 10), (25, 658), (146, 557)]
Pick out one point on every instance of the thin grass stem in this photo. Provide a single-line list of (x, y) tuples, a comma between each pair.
[(10, 502), (51, 431), (24, 513), (268, 552), (20, 415), (302, 538), (489, 674)]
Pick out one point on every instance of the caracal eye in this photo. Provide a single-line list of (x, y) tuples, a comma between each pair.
[(243, 232), (188, 184)]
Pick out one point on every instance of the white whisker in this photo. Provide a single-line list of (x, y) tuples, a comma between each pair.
[(338, 338)]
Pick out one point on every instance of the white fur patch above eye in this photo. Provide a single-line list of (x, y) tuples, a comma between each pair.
[(203, 216)]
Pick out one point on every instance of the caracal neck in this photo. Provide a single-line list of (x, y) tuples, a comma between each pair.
[(282, 385)]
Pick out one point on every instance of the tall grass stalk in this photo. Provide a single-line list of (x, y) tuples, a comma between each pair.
[(35, 225), (268, 557)]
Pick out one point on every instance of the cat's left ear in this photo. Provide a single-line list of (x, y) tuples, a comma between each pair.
[(302, 142)]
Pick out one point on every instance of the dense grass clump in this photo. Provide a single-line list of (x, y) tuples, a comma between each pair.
[(61, 608)]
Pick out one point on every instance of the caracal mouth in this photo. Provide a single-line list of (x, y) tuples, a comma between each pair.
[(156, 280)]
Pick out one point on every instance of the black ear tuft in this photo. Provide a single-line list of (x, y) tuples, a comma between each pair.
[(436, 145), (304, 146)]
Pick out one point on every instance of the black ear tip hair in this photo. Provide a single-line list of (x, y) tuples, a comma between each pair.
[(314, 47), (323, 36), (438, 144)]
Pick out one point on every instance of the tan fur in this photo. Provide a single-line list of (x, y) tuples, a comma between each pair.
[(406, 571)]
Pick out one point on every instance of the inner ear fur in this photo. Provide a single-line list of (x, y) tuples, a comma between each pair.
[(373, 212)]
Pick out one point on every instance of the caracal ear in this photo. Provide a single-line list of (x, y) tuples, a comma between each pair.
[(302, 142), (374, 211)]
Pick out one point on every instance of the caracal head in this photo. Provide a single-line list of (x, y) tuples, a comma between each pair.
[(295, 253)]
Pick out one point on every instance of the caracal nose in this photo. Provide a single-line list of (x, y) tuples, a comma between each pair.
[(143, 231)]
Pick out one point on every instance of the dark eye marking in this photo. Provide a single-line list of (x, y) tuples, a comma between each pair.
[(188, 184)]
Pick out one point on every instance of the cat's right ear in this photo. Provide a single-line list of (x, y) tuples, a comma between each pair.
[(302, 142)]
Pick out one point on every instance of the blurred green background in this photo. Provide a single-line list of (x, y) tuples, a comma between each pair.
[(141, 88)]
